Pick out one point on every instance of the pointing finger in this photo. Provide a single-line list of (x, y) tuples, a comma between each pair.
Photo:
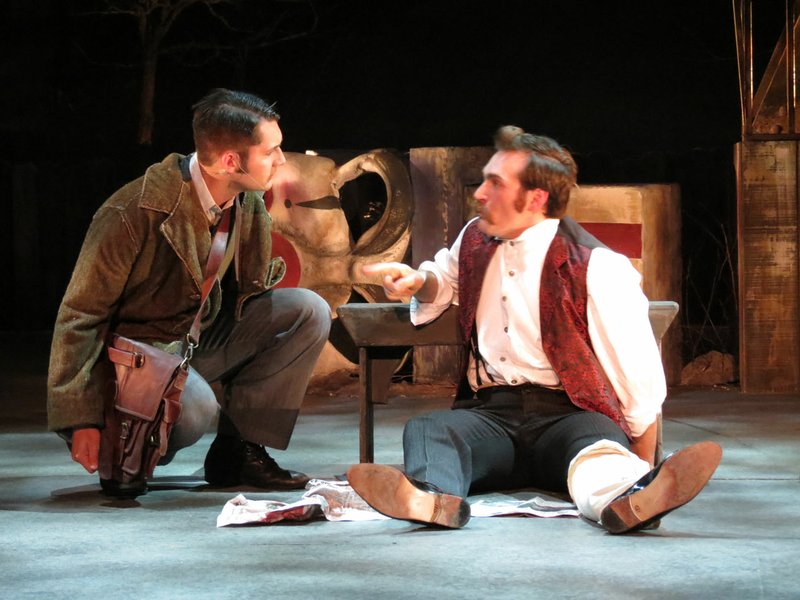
[(382, 269)]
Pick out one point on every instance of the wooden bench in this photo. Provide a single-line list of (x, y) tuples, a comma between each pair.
[(384, 333)]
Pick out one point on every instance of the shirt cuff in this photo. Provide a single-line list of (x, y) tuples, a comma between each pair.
[(640, 423), (425, 312)]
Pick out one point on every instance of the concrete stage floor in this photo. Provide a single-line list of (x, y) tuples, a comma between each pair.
[(59, 538)]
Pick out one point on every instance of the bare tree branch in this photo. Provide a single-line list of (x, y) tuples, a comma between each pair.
[(155, 19)]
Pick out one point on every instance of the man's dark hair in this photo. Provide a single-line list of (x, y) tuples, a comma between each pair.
[(227, 120), (550, 167)]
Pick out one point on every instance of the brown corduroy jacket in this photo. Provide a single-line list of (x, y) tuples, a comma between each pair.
[(139, 274)]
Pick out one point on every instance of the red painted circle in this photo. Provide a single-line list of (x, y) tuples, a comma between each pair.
[(283, 248)]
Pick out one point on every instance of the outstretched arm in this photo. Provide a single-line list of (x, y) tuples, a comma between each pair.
[(401, 281)]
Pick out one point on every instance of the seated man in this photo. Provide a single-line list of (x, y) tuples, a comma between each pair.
[(139, 274), (565, 378)]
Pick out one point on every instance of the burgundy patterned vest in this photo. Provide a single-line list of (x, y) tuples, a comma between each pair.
[(562, 312)]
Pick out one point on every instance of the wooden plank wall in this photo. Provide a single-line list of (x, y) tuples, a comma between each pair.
[(442, 179), (769, 314)]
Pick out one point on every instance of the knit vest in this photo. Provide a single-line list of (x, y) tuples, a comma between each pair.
[(562, 312)]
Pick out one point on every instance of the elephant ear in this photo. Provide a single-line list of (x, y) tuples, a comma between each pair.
[(396, 219)]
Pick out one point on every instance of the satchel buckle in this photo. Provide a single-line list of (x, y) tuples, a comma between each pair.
[(191, 344), (138, 360)]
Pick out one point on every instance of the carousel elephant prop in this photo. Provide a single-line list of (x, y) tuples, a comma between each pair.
[(312, 233)]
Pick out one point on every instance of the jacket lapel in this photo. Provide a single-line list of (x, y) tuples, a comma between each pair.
[(185, 227), (186, 230)]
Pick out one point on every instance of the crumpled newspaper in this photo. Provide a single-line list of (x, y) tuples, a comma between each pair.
[(337, 501), (502, 505)]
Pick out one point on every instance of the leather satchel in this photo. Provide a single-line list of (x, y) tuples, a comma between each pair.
[(149, 382), (146, 406)]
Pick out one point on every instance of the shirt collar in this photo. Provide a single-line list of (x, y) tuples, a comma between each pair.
[(542, 231), (210, 207)]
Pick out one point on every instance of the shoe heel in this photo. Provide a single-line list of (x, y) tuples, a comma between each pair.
[(619, 517), (451, 511)]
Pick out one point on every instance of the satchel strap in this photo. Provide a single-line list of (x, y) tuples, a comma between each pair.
[(215, 256)]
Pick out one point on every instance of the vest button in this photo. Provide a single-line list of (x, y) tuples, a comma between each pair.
[(511, 273), (502, 359)]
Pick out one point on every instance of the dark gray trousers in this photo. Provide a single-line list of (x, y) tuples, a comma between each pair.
[(264, 363), (513, 437)]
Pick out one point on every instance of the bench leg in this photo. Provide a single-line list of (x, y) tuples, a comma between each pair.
[(366, 441), (376, 367)]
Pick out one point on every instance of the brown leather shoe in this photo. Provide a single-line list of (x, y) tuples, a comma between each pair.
[(391, 493), (231, 461), (670, 485), (259, 469)]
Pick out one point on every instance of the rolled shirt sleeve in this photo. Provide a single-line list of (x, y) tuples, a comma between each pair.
[(622, 338)]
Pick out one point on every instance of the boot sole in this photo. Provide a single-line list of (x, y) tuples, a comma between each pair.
[(389, 491), (124, 491), (680, 479)]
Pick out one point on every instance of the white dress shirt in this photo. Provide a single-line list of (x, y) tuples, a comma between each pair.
[(508, 324)]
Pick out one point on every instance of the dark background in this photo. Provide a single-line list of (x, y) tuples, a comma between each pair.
[(640, 92)]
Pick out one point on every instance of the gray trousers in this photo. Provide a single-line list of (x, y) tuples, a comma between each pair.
[(264, 363), (514, 437)]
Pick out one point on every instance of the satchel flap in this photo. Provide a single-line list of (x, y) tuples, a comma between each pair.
[(143, 374), (132, 360)]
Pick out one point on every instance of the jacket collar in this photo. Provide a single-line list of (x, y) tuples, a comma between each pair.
[(164, 187), (185, 227)]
